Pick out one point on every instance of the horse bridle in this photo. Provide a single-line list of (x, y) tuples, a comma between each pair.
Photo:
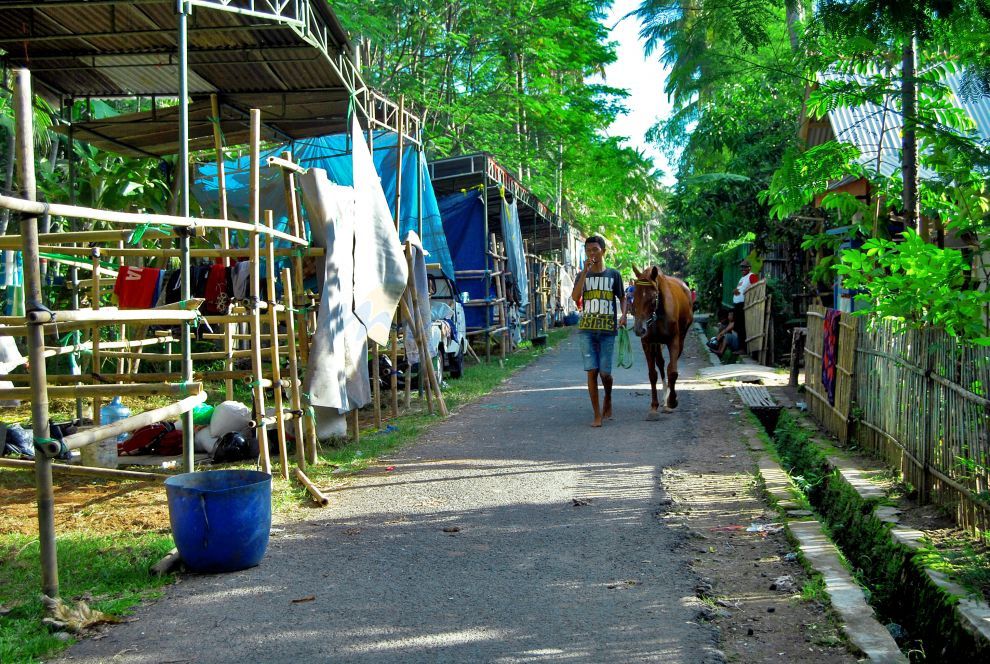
[(656, 304)]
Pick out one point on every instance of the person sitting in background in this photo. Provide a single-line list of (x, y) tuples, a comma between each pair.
[(727, 338)]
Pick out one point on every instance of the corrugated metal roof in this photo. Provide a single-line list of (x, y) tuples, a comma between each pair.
[(876, 129), (244, 50)]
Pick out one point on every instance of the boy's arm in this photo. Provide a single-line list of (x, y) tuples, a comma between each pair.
[(578, 289)]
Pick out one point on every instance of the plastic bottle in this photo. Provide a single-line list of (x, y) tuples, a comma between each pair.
[(104, 453), (114, 411)]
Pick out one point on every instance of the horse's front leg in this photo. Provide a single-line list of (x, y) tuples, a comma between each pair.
[(670, 392), (654, 362)]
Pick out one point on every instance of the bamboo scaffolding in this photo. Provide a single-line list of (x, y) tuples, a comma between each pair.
[(166, 357), (87, 470)]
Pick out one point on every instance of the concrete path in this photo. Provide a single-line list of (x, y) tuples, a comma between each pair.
[(558, 554)]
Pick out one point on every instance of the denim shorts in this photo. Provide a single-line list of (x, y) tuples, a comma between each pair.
[(597, 348)]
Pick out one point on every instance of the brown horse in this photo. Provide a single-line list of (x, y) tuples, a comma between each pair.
[(663, 313)]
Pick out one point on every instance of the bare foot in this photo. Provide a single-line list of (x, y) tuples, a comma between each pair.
[(607, 410), (597, 422)]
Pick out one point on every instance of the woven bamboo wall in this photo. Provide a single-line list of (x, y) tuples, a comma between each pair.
[(757, 312), (923, 409), (835, 418)]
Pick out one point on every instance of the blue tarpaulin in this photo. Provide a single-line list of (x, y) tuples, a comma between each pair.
[(332, 153), (464, 224), (515, 251)]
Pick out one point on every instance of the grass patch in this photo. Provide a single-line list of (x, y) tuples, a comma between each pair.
[(112, 571)]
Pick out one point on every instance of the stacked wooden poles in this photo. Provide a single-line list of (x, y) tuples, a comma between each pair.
[(410, 309), (228, 342), (255, 294), (23, 111)]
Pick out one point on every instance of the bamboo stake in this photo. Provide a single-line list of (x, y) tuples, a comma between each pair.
[(199, 376), (23, 118), (424, 348), (355, 420), (317, 495), (259, 393), (376, 386), (133, 423), (273, 346), (295, 384), (89, 470), (393, 379)]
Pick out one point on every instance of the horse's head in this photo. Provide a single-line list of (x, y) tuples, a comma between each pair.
[(646, 299)]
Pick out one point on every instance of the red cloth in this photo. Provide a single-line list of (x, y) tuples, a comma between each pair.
[(217, 297), (830, 351), (136, 287)]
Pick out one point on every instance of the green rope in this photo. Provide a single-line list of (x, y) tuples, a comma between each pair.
[(141, 229), (624, 349)]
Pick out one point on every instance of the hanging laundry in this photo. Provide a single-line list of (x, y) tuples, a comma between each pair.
[(137, 287), (218, 290), (241, 277), (198, 276)]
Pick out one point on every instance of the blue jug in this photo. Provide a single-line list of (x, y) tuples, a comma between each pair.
[(114, 411)]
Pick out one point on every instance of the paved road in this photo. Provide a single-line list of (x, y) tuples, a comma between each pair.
[(530, 576)]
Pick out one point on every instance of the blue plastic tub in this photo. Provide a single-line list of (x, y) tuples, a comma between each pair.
[(220, 518)]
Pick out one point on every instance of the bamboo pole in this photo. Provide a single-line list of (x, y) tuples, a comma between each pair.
[(424, 347), (133, 423), (23, 118), (276, 371), (295, 387), (393, 379), (180, 311), (96, 363), (95, 214), (134, 252), (228, 342), (73, 391), (54, 240), (376, 386), (166, 357), (355, 421), (318, 496), (89, 470), (255, 212), (163, 377)]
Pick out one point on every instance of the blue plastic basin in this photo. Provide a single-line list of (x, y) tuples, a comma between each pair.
[(220, 518)]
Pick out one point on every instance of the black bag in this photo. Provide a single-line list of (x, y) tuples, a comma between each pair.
[(234, 446)]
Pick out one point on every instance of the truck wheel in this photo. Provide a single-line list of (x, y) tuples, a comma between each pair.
[(455, 363)]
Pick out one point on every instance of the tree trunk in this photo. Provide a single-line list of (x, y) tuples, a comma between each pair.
[(795, 16), (909, 142)]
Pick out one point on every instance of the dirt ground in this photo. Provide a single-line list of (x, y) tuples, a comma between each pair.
[(749, 583)]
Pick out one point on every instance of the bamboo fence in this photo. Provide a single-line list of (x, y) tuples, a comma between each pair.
[(922, 403), (916, 400)]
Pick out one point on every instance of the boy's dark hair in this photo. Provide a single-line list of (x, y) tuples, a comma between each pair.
[(598, 239)]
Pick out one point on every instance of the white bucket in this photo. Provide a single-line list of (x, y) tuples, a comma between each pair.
[(102, 454)]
